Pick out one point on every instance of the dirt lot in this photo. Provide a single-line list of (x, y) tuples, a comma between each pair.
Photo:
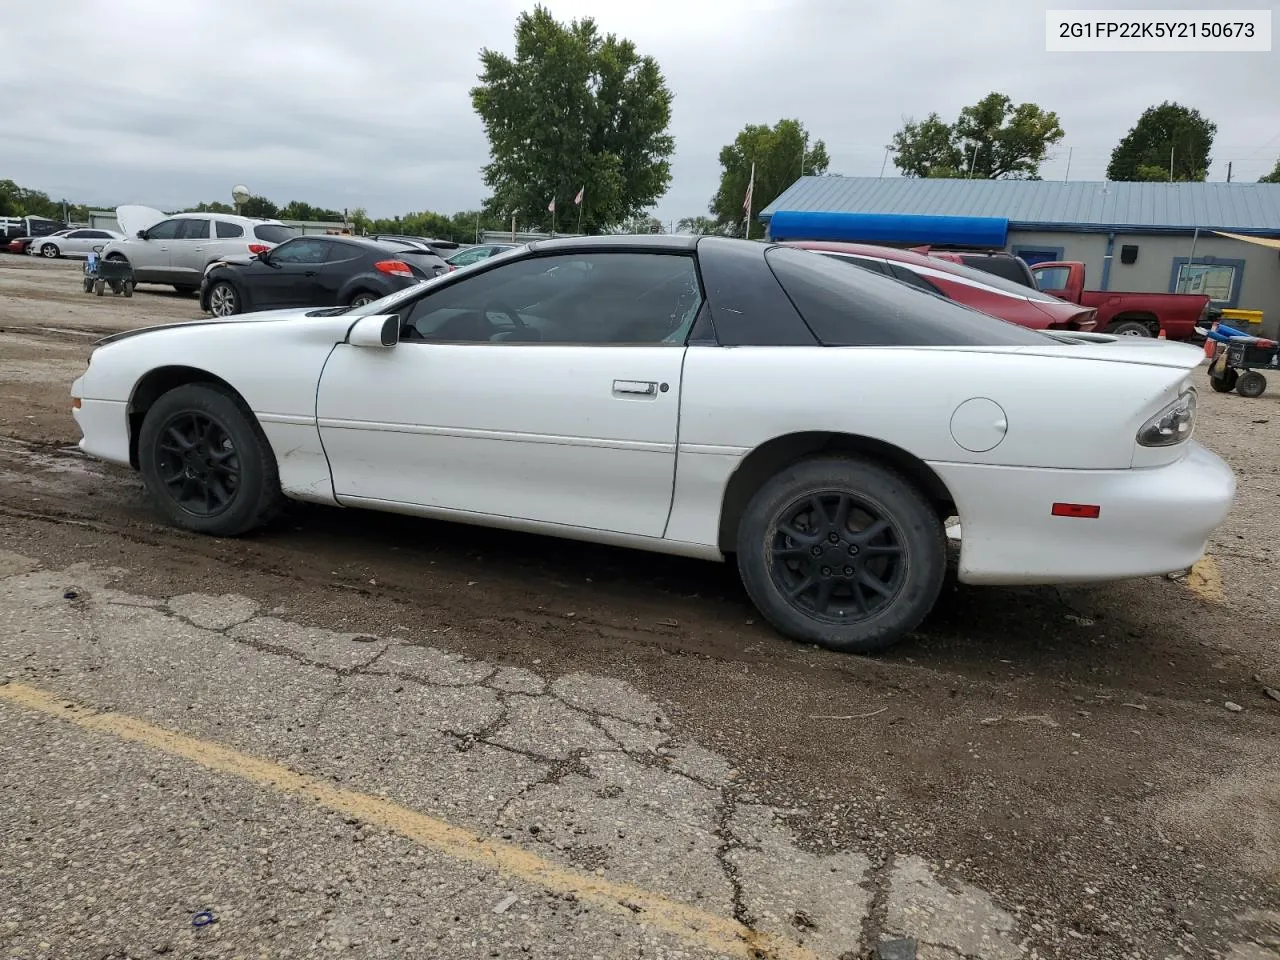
[(1071, 752)]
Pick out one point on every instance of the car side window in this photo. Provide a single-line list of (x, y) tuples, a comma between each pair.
[(228, 231), (1052, 278), (80, 235), (193, 230), (301, 250), (468, 257), (572, 298), (164, 230)]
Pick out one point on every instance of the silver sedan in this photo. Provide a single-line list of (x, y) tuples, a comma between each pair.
[(72, 243)]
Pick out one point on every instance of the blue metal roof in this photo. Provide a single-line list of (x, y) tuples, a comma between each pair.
[(1046, 204)]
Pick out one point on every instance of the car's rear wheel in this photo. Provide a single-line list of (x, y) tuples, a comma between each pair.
[(224, 301), (206, 463), (49, 250), (1130, 328), (363, 298), (842, 552), (1252, 384)]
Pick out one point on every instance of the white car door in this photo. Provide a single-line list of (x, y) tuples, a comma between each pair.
[(150, 255), (545, 389)]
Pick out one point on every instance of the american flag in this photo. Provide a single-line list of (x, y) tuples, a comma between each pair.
[(551, 207), (751, 186), (577, 201)]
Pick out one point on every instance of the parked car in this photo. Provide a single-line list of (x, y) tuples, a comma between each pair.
[(72, 243), (11, 228), (442, 248), (588, 387), (481, 251), (983, 291), (314, 271), (176, 250), (423, 256), (17, 245), (988, 261), (1127, 314)]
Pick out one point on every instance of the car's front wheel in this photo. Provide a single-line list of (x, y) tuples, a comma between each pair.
[(842, 552), (206, 463), (363, 299), (49, 250), (224, 301)]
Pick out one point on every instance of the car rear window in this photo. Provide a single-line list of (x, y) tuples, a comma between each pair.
[(273, 232), (992, 280), (846, 308), (1009, 268), (227, 231)]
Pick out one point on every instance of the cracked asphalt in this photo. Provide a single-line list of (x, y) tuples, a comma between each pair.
[(117, 840), (376, 736)]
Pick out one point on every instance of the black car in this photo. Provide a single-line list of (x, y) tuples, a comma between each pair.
[(315, 271)]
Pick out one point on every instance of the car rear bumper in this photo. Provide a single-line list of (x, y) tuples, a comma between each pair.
[(1151, 521)]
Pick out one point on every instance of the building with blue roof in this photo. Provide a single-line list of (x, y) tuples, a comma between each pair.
[(1148, 237)]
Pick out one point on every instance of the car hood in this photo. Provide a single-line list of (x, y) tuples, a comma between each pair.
[(1102, 346), (259, 317), (133, 218)]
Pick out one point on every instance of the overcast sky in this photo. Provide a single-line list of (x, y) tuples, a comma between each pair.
[(350, 103)]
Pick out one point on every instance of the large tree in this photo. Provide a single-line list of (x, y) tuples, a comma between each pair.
[(780, 154), (1273, 176), (992, 139), (573, 109), (1163, 133)]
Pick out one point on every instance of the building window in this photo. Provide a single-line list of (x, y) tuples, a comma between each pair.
[(1031, 255), (1219, 280)]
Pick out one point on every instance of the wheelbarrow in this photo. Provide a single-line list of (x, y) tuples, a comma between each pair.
[(100, 274), (1235, 359)]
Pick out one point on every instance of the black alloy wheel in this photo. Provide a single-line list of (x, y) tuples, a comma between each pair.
[(836, 559), (196, 460)]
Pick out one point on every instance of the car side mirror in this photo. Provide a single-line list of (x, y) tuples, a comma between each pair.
[(142, 234), (379, 330)]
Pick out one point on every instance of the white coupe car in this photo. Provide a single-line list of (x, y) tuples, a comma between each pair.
[(698, 396)]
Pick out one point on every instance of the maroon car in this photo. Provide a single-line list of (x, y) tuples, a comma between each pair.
[(994, 295)]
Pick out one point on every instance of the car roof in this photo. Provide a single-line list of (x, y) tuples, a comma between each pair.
[(658, 241)]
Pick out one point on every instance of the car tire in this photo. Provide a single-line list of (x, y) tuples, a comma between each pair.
[(224, 299), (227, 459), (890, 566), (1225, 383), (1251, 384), (1129, 328), (50, 251), (362, 298)]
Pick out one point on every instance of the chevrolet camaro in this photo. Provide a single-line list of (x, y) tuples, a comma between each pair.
[(698, 396)]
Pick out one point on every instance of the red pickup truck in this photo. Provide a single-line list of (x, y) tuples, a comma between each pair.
[(1126, 314)]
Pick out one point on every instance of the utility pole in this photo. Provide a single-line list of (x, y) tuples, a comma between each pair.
[(972, 160), (1228, 171), (1067, 176), (1171, 149), (886, 161)]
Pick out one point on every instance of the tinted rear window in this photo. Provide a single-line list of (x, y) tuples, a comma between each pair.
[(226, 230), (1007, 267), (991, 280), (273, 232), (846, 307)]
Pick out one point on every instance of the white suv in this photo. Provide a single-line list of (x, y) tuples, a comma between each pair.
[(175, 250)]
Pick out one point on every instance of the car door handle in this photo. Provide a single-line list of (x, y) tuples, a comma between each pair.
[(643, 388)]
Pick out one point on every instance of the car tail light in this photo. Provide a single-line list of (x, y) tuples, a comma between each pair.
[(397, 268), (1173, 424), (256, 248)]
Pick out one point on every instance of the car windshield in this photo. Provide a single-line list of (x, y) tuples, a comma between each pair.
[(273, 232), (850, 307)]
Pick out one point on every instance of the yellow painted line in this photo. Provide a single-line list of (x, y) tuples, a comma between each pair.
[(714, 933), (1205, 581)]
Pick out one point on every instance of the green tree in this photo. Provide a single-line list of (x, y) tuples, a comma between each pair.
[(573, 109), (298, 210), (1273, 176), (991, 140), (211, 206), (699, 226), (780, 153), (1166, 132), (16, 201), (257, 206)]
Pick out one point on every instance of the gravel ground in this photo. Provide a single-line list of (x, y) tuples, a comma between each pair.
[(1054, 769)]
